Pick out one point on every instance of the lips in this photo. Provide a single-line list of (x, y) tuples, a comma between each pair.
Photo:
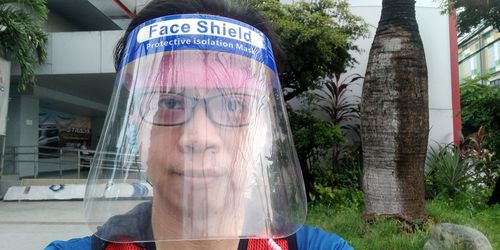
[(199, 178)]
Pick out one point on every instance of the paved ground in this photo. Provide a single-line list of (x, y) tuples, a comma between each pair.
[(32, 225)]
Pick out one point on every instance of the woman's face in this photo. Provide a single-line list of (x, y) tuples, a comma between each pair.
[(197, 143), (199, 164)]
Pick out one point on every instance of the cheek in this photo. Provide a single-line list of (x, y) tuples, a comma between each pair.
[(240, 154), (156, 148)]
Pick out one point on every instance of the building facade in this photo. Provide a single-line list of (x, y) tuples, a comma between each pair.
[(479, 54)]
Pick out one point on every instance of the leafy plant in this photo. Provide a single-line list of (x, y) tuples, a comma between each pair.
[(351, 174), (488, 168), (313, 138), (447, 173), (480, 106), (336, 197), (22, 38), (342, 109), (336, 102)]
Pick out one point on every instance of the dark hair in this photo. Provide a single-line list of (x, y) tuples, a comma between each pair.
[(225, 8)]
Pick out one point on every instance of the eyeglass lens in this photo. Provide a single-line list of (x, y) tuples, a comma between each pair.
[(170, 109)]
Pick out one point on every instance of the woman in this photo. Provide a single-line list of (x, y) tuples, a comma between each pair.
[(196, 151)]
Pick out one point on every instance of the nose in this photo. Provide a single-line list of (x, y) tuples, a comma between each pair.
[(199, 134)]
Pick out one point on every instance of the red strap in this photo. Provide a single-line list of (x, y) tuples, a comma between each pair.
[(260, 244), (253, 244), (123, 246)]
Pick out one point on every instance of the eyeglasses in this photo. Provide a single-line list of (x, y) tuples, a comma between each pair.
[(228, 110)]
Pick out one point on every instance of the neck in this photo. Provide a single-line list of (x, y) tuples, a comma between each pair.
[(168, 223), (198, 244)]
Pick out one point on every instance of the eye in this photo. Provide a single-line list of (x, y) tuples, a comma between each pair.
[(234, 104), (171, 102)]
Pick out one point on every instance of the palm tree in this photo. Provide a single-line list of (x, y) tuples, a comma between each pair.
[(395, 116), (495, 196), (21, 35)]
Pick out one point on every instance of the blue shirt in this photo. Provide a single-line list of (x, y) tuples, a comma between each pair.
[(308, 238)]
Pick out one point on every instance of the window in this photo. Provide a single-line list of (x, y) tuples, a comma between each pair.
[(497, 52), (489, 54), (487, 38), (469, 67), (473, 65), (495, 82), (461, 71)]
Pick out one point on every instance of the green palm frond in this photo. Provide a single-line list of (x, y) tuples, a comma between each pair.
[(23, 38)]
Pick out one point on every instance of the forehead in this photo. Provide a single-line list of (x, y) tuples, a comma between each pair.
[(197, 70)]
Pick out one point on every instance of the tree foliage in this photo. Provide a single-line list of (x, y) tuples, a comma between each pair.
[(317, 38), (472, 13), (22, 38), (313, 136), (480, 106)]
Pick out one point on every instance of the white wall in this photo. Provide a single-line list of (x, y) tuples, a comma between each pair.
[(78, 53)]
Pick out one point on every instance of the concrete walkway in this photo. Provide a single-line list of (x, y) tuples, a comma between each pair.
[(33, 225)]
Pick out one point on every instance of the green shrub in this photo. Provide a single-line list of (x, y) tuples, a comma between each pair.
[(350, 175), (313, 138), (336, 197), (488, 167), (447, 173), (480, 106), (323, 174)]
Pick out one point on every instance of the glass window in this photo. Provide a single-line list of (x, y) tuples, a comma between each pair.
[(462, 71), (477, 46), (473, 62), (490, 58), (495, 82), (497, 52), (487, 38)]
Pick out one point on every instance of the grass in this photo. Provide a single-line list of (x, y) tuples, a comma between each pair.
[(389, 234)]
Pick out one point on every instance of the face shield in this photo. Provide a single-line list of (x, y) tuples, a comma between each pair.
[(196, 143)]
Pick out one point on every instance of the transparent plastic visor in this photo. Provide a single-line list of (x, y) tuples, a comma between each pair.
[(196, 145)]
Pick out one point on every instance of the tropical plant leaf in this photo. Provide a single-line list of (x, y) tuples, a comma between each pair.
[(23, 38)]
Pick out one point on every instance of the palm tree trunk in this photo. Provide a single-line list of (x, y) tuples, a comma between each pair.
[(395, 116), (495, 196)]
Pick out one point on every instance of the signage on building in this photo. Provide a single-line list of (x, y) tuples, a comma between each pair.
[(58, 130)]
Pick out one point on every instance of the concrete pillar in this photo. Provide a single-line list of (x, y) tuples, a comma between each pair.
[(22, 131)]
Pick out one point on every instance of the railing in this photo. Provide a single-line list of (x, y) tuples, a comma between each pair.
[(42, 159)]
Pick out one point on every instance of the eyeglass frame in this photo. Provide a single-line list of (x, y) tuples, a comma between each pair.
[(261, 101)]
